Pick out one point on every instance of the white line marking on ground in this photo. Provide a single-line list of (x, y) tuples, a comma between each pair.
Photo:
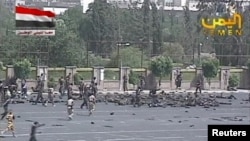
[(127, 111), (168, 137), (201, 136), (115, 132)]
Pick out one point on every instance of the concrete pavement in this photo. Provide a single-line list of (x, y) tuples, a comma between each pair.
[(127, 123)]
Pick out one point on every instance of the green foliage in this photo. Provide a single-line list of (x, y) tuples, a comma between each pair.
[(156, 30), (52, 83), (104, 25), (233, 81), (1, 65), (161, 66), (210, 68), (174, 50), (129, 56), (133, 78), (77, 79), (22, 69)]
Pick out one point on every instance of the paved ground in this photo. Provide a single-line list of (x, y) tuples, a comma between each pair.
[(127, 123)]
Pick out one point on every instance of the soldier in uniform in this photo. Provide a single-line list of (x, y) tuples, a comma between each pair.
[(85, 96), (10, 118), (70, 90), (39, 88), (50, 97), (33, 131), (178, 80), (70, 109), (92, 102), (67, 83), (5, 107), (81, 89), (1, 92), (93, 81), (137, 98), (95, 89), (24, 88), (61, 88), (198, 87), (125, 83)]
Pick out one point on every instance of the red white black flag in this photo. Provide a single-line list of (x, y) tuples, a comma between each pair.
[(34, 18)]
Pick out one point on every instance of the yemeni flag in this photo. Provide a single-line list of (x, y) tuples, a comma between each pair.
[(34, 18)]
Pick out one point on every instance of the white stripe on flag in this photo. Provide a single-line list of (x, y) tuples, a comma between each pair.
[(28, 17)]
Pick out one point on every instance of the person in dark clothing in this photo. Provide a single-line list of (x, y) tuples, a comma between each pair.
[(61, 86), (70, 90), (1, 92), (81, 88), (198, 87), (24, 88), (178, 80), (5, 108), (39, 88), (95, 89), (33, 131), (125, 83), (137, 98), (93, 81), (86, 94), (142, 82), (67, 83)]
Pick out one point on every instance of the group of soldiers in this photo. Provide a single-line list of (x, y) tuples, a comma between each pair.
[(87, 94)]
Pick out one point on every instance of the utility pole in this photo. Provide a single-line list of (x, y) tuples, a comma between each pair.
[(199, 53)]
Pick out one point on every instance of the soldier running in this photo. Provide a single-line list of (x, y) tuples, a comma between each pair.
[(10, 127), (86, 94), (70, 109), (33, 131), (92, 102), (81, 89), (70, 90)]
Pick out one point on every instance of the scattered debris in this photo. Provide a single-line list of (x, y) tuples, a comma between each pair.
[(57, 125), (108, 126)]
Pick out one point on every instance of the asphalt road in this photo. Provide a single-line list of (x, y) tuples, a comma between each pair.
[(127, 123)]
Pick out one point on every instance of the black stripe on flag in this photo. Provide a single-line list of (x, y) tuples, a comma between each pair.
[(34, 24)]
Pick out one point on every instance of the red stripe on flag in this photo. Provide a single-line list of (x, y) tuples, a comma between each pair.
[(34, 11)]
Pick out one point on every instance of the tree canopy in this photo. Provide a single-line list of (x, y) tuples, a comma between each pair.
[(92, 38)]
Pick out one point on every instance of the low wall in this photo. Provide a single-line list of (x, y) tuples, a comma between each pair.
[(112, 78)]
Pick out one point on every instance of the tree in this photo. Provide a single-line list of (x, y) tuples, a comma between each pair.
[(133, 78), (129, 56), (146, 22), (1, 66), (210, 69), (175, 51), (52, 83), (22, 69), (102, 27), (157, 30), (161, 66), (233, 81)]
